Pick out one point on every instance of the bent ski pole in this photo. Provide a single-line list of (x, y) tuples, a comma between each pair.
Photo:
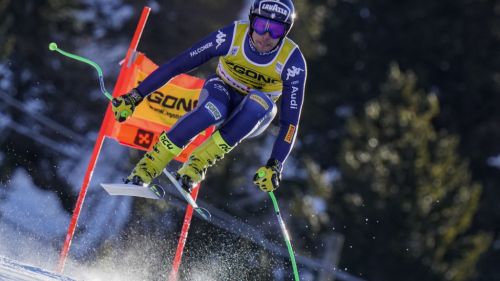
[(286, 236), (53, 47)]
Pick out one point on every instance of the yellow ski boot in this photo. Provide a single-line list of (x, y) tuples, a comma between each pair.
[(154, 161), (210, 151)]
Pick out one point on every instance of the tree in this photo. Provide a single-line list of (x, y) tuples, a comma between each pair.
[(449, 45), (34, 81), (406, 199)]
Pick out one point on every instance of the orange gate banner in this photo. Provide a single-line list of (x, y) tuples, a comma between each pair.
[(160, 110)]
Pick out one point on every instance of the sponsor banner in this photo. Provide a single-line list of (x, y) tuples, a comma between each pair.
[(159, 111), (167, 104)]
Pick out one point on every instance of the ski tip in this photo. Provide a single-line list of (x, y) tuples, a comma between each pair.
[(204, 213), (158, 190)]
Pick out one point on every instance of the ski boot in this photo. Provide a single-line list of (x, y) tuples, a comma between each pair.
[(153, 162), (193, 171)]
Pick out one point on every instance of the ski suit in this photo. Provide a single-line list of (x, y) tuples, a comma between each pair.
[(240, 97)]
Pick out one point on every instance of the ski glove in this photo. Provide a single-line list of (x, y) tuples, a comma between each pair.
[(123, 106), (268, 177)]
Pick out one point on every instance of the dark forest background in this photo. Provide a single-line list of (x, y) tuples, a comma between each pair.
[(398, 149)]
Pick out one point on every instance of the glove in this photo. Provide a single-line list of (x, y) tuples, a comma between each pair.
[(268, 177), (123, 106)]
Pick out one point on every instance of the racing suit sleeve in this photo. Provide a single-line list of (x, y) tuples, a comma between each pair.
[(216, 44), (294, 79)]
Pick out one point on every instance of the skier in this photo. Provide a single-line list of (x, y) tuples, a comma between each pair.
[(258, 63)]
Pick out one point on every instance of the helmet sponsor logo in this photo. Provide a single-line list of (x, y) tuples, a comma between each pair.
[(274, 7), (292, 72), (221, 38)]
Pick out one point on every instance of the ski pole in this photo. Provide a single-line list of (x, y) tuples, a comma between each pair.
[(53, 47), (286, 236)]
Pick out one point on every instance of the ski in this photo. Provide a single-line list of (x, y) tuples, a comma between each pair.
[(204, 213), (152, 191)]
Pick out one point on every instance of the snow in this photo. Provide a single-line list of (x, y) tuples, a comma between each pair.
[(494, 161), (19, 208), (318, 204), (4, 121), (5, 76), (11, 270), (110, 15), (33, 223), (35, 105)]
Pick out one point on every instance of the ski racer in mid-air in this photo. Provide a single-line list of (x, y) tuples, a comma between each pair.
[(258, 64)]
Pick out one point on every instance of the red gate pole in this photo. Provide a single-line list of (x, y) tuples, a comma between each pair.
[(182, 238), (108, 119)]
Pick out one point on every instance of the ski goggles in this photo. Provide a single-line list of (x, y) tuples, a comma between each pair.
[(262, 25)]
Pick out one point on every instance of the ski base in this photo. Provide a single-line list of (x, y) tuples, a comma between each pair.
[(153, 191)]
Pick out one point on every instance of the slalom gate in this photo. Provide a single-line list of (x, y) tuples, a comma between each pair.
[(154, 115)]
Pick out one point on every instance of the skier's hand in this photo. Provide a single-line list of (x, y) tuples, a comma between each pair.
[(123, 106), (268, 177)]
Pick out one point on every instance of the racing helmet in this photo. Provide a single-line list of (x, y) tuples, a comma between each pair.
[(277, 10)]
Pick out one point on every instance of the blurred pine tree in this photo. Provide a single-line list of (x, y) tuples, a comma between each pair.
[(405, 193), (33, 80)]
